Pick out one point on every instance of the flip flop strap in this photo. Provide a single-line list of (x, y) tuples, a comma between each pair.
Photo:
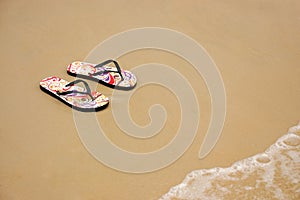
[(87, 87), (105, 63)]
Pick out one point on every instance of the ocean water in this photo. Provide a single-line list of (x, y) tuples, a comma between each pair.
[(273, 174)]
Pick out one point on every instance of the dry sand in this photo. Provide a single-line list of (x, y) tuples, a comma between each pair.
[(256, 45)]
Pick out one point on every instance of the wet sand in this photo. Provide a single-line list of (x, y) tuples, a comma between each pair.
[(255, 45), (273, 174)]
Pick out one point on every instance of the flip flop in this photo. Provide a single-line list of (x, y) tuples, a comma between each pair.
[(103, 73), (79, 98)]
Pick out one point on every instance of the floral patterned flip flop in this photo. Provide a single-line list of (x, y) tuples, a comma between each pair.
[(111, 76), (79, 98)]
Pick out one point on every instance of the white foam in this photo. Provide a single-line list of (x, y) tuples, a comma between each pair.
[(274, 174)]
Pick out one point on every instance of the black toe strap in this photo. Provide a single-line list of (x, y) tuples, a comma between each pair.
[(105, 63), (87, 87)]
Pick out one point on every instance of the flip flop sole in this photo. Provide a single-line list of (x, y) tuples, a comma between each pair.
[(109, 79), (80, 102)]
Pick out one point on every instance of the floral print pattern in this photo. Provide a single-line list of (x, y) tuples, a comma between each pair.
[(111, 78), (54, 84)]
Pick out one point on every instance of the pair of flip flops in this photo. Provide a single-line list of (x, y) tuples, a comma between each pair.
[(82, 98)]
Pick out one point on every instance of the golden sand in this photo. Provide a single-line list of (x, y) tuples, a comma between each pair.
[(255, 45)]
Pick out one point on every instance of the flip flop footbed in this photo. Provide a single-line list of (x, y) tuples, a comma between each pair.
[(53, 84), (87, 70)]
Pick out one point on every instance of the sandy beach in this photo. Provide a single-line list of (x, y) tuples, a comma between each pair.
[(255, 44)]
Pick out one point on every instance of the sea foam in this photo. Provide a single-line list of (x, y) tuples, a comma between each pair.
[(274, 174)]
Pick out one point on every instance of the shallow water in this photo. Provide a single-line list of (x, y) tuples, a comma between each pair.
[(274, 174)]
